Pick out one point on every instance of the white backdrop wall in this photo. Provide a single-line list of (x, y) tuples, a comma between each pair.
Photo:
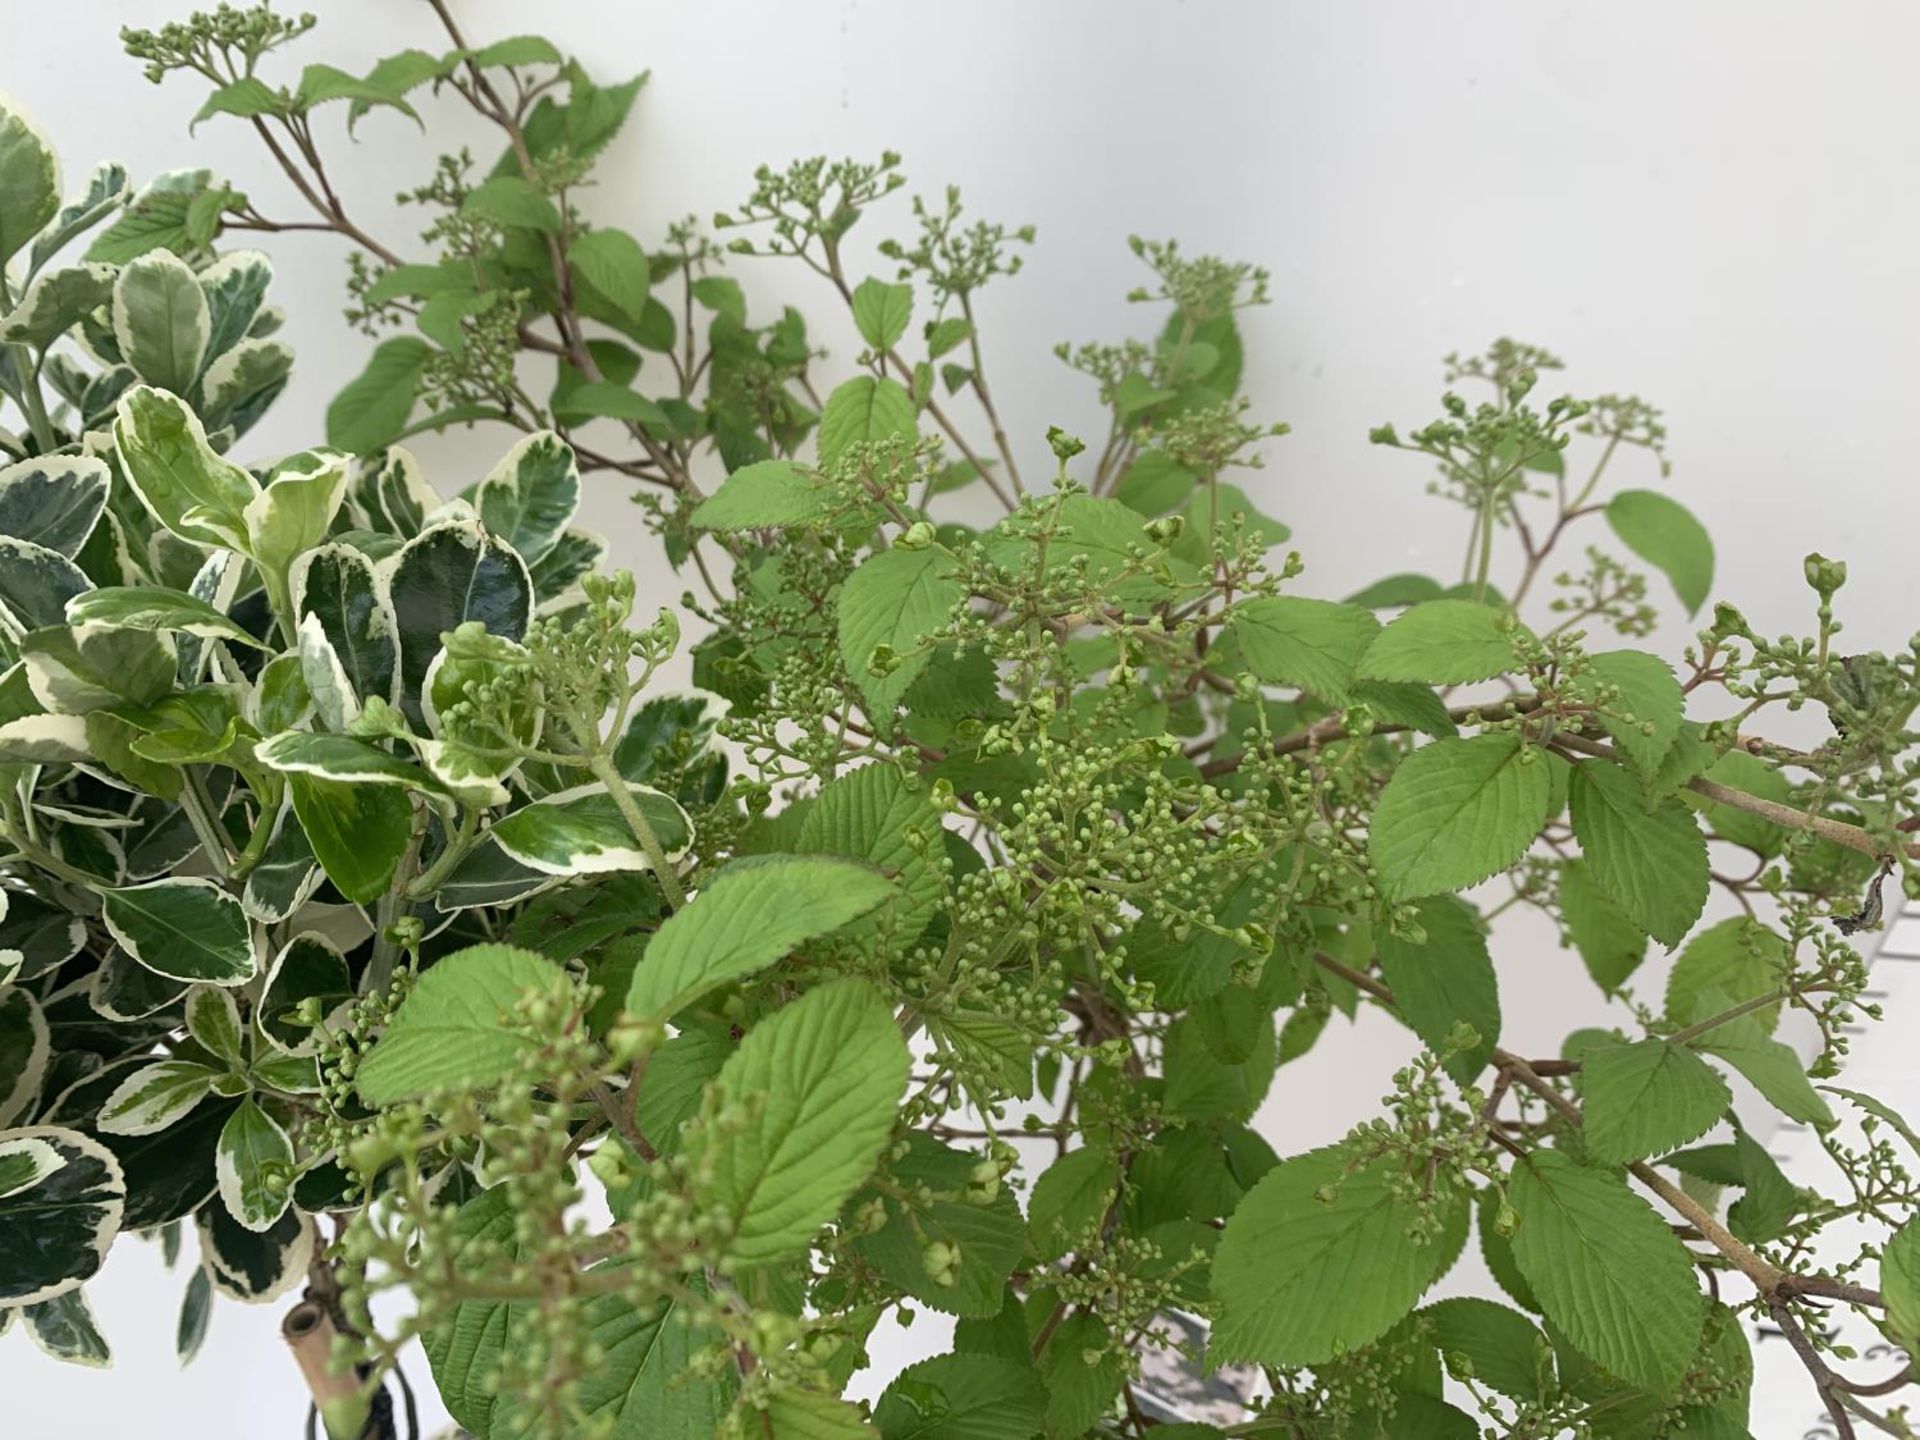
[(1710, 204)]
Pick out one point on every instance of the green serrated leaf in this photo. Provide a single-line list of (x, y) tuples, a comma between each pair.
[(1647, 1098), (1456, 812), (1444, 642), (1652, 863)]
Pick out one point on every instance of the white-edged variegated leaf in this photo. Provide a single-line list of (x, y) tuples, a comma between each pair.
[(581, 831), (151, 608), (55, 1234), (36, 583), (29, 180), (184, 928), (286, 876), (75, 669), (235, 286), (124, 990), (45, 740), (190, 489), (339, 587), (333, 694), (154, 1097), (393, 495), (24, 1047), (24, 1163), (450, 573), (558, 572), (196, 1309), (469, 776), (254, 1167), (160, 320), (55, 302), (291, 516), (530, 496), (309, 968), (54, 500), (339, 757), (64, 1328), (106, 191), (250, 1266), (213, 1020), (242, 383)]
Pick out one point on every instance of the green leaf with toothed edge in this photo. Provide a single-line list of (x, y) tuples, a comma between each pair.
[(1456, 812), (1313, 645), (1664, 533), (1651, 862), (754, 911), (448, 1031), (1647, 1098), (963, 1397), (1316, 1261), (1607, 1270), (1445, 981), (894, 598), (826, 1073), (1444, 642)]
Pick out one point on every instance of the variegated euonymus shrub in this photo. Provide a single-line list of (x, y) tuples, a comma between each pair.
[(367, 908)]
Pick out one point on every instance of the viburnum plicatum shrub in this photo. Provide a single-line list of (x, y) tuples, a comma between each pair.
[(373, 910)]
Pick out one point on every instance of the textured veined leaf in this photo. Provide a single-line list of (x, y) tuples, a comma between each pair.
[(646, 1384), (1648, 1098), (894, 598), (372, 410), (184, 928), (254, 1167), (824, 1075), (1608, 1271), (1771, 1067), (963, 1397), (1737, 960), (766, 494), (1652, 863), (1663, 532), (882, 312), (877, 815), (1643, 708), (808, 1415), (1504, 1347), (1444, 642), (1900, 1284), (1447, 981), (614, 263), (756, 910), (1316, 1260), (863, 410), (985, 1238), (1314, 645), (1610, 944), (449, 1031), (55, 1233), (1456, 812)]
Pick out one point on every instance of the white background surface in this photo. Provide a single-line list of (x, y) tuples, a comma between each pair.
[(1712, 205)]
